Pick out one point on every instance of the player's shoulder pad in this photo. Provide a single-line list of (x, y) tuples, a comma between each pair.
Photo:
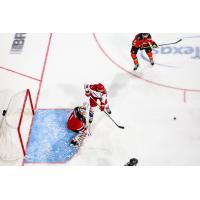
[(93, 87)]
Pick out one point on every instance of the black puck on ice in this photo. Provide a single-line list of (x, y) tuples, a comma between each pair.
[(174, 118)]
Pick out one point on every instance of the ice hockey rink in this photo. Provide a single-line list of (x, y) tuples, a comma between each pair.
[(55, 67)]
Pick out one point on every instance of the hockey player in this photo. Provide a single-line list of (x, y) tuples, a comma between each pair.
[(77, 124), (142, 41), (98, 96)]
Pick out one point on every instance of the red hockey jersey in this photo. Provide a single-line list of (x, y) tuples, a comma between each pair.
[(141, 42), (97, 91), (76, 121)]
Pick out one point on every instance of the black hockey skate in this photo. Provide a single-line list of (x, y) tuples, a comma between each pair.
[(136, 66), (74, 143), (152, 62), (90, 119), (91, 115), (78, 140)]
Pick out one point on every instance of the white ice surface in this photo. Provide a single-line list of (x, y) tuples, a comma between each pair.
[(146, 110)]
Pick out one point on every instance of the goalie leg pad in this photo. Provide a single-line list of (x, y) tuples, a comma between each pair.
[(78, 140)]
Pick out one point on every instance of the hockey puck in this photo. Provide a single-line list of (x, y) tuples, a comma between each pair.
[(174, 118)]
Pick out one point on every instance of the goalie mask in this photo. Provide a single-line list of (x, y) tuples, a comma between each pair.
[(145, 35), (82, 110)]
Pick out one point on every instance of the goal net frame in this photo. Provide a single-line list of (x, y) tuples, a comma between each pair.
[(20, 108), (27, 96)]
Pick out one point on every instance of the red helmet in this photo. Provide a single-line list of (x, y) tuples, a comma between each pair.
[(100, 87)]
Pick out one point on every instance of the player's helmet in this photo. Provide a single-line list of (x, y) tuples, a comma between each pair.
[(100, 87), (145, 35)]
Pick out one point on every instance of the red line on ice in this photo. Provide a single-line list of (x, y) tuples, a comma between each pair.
[(132, 74), (15, 72), (43, 70)]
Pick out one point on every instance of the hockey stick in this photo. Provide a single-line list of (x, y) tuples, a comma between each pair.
[(122, 127), (170, 43), (159, 45)]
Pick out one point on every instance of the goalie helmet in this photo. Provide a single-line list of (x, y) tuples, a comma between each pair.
[(100, 87), (82, 110), (145, 35)]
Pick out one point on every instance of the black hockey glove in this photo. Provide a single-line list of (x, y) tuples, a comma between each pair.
[(154, 45)]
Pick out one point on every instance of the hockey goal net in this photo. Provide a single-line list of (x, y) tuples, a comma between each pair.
[(15, 123)]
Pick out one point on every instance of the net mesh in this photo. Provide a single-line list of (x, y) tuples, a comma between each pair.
[(15, 126)]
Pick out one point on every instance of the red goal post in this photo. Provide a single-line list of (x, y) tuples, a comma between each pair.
[(27, 97)]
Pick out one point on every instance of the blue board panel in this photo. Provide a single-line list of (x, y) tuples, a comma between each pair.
[(49, 139)]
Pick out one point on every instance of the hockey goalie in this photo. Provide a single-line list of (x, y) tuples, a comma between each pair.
[(77, 124)]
